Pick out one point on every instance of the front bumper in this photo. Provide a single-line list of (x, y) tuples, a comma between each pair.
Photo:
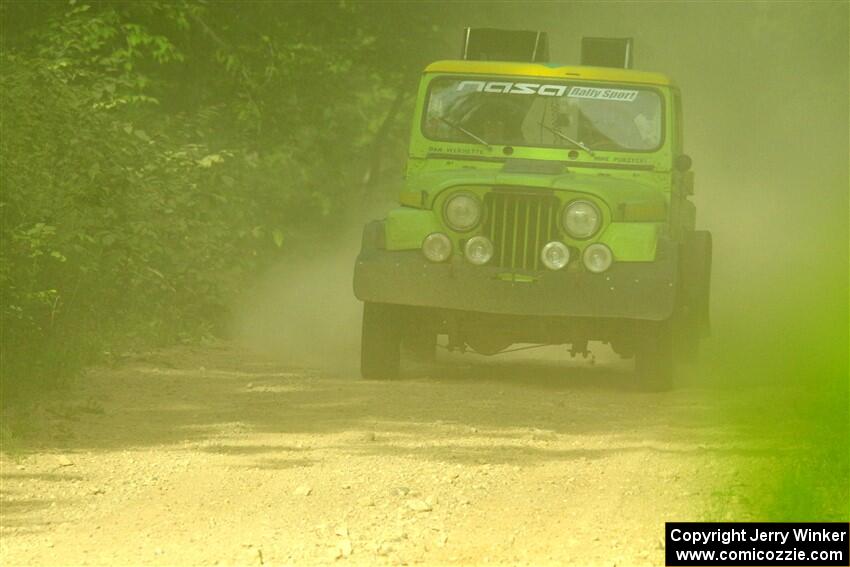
[(629, 290)]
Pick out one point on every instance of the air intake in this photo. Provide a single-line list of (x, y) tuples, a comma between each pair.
[(491, 44)]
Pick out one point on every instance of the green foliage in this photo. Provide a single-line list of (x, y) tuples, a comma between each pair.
[(105, 229), (155, 156), (103, 51)]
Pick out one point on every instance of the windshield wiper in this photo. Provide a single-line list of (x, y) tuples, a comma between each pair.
[(460, 128), (567, 138)]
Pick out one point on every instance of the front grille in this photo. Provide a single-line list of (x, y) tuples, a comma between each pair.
[(519, 223)]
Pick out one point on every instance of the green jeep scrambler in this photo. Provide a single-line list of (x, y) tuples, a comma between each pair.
[(543, 204)]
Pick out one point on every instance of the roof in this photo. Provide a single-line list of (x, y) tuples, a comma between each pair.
[(549, 70)]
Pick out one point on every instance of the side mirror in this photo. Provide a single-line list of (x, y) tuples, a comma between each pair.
[(683, 163)]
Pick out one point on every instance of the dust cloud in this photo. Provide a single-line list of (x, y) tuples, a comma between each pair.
[(765, 91), (766, 116), (303, 311)]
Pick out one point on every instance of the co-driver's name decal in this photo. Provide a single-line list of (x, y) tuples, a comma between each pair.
[(509, 87)]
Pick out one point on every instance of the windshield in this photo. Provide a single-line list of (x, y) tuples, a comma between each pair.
[(531, 112)]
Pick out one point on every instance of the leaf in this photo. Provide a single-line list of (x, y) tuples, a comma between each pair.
[(209, 160), (156, 272), (277, 234)]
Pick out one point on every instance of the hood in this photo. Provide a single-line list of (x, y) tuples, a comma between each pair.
[(621, 190)]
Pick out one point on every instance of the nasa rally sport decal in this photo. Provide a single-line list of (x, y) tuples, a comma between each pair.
[(603, 94), (508, 87)]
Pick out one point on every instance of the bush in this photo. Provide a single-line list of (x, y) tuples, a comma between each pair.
[(109, 233), (153, 159)]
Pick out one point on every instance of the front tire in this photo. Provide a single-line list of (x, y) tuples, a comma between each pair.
[(380, 342), (654, 358)]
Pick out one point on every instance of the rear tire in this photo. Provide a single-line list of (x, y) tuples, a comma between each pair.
[(654, 358), (692, 310), (380, 342)]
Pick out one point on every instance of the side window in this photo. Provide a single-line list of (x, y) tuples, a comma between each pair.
[(679, 124)]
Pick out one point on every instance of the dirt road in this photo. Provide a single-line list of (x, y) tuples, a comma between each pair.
[(214, 456)]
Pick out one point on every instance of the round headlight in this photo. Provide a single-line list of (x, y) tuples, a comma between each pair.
[(462, 212), (478, 250), (437, 247), (581, 219), (555, 255), (598, 258)]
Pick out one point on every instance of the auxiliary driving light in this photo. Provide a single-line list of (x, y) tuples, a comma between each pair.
[(555, 255), (598, 258), (437, 247), (478, 250)]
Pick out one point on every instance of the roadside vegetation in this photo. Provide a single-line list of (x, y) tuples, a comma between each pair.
[(157, 155)]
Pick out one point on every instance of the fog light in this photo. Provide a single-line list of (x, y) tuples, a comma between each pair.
[(437, 247), (478, 250), (555, 255), (598, 258)]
